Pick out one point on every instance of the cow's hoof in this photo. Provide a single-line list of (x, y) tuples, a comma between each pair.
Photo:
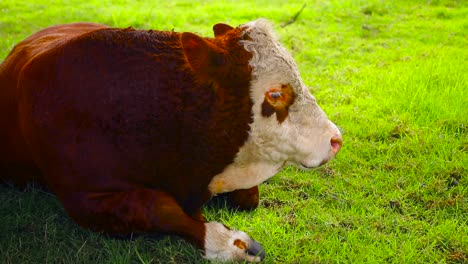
[(224, 244), (256, 250)]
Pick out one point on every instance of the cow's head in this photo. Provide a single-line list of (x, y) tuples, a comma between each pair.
[(288, 127)]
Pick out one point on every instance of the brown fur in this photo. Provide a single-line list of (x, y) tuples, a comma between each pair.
[(127, 127)]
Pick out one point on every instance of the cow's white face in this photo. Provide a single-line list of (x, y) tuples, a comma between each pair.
[(288, 124), (288, 127)]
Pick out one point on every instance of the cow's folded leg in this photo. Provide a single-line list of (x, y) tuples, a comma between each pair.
[(244, 199), (198, 215), (147, 211)]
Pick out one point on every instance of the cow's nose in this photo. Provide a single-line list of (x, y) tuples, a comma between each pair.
[(336, 142)]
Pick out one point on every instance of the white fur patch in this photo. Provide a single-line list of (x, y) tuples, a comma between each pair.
[(302, 139), (235, 177), (220, 244)]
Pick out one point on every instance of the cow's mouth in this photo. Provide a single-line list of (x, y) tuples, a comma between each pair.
[(309, 167)]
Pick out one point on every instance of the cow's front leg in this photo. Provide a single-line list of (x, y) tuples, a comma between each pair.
[(147, 211), (244, 199), (222, 243)]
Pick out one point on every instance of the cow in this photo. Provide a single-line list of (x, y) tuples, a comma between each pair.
[(134, 130)]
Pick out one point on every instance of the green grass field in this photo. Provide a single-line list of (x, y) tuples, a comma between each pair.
[(392, 74)]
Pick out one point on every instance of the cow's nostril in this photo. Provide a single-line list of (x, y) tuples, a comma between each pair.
[(336, 143)]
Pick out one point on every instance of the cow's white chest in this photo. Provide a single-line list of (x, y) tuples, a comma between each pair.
[(242, 176)]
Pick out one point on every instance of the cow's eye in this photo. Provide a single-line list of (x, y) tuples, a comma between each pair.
[(275, 95)]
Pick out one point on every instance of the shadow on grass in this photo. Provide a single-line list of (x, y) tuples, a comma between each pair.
[(34, 228)]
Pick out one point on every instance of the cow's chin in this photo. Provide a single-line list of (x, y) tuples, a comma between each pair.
[(309, 164), (306, 165), (313, 160)]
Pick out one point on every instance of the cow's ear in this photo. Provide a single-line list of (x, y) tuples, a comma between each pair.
[(221, 29), (203, 57), (278, 100)]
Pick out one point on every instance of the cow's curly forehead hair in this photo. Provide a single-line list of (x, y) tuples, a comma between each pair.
[(271, 63)]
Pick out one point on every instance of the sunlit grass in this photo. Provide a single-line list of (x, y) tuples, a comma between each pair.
[(392, 74)]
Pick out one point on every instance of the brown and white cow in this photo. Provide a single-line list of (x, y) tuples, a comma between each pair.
[(135, 130)]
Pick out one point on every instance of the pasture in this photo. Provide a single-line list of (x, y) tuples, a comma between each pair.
[(393, 75)]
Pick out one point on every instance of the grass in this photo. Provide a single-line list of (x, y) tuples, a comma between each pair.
[(392, 74)]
